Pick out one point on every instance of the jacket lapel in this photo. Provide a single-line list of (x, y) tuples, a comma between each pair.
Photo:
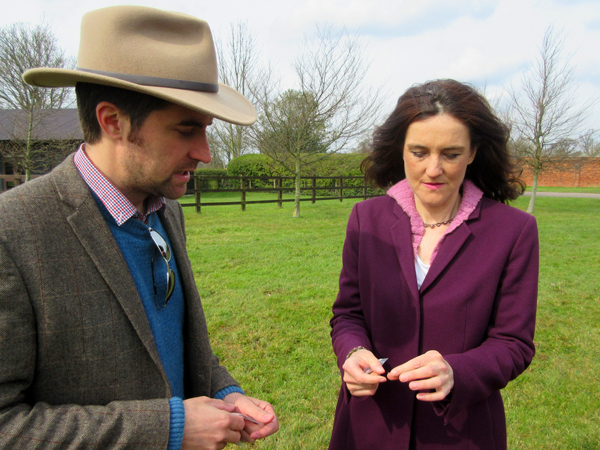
[(451, 245), (402, 237), (177, 238), (93, 233)]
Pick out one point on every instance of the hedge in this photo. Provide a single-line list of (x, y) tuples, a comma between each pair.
[(256, 165), (334, 165), (260, 165), (210, 183)]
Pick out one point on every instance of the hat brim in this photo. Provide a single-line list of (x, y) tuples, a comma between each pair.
[(227, 104)]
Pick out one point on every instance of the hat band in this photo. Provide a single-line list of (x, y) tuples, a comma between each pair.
[(158, 82)]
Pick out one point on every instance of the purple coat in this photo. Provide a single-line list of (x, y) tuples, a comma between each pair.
[(476, 307)]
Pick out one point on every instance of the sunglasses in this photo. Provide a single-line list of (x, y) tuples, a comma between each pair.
[(165, 253)]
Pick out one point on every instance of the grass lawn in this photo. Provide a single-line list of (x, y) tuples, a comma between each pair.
[(582, 190), (268, 281)]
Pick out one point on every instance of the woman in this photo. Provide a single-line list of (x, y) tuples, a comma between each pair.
[(439, 276)]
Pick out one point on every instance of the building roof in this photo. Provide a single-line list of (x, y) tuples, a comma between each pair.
[(49, 124)]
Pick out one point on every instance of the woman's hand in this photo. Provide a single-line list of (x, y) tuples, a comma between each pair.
[(427, 372), (359, 383)]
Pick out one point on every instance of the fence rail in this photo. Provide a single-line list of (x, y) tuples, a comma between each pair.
[(319, 188), (312, 188)]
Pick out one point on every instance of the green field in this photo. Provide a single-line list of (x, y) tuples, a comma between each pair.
[(582, 190), (268, 281)]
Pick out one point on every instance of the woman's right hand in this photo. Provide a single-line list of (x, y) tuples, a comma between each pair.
[(359, 383)]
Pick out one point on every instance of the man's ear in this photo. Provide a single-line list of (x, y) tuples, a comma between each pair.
[(113, 122)]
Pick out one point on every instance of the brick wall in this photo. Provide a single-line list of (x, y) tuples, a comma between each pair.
[(571, 172)]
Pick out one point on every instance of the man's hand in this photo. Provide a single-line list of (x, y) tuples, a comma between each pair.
[(358, 382), (259, 410), (427, 372), (209, 424)]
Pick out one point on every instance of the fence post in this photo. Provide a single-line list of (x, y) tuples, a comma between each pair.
[(341, 189), (279, 192), (242, 193), (314, 189), (197, 194), (364, 190)]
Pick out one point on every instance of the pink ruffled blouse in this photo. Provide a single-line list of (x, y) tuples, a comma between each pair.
[(404, 196)]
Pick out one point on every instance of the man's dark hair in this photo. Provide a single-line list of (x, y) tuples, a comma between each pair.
[(492, 170), (136, 105)]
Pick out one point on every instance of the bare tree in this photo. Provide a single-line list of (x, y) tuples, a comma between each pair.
[(291, 133), (545, 114), (589, 145), (330, 109), (23, 47), (239, 68)]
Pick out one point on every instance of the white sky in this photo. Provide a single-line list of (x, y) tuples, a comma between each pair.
[(488, 43)]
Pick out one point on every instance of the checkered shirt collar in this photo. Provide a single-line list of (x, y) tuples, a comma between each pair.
[(119, 207)]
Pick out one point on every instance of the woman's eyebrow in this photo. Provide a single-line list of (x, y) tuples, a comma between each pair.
[(450, 147)]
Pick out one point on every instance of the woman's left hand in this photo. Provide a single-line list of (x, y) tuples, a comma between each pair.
[(426, 372)]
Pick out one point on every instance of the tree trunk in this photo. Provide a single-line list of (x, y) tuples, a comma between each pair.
[(28, 149), (531, 205), (297, 193)]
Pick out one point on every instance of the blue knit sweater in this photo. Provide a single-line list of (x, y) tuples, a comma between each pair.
[(148, 269)]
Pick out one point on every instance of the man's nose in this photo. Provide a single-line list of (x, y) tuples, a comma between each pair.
[(200, 150)]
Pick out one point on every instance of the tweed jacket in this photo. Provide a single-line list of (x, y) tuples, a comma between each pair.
[(476, 306), (79, 367)]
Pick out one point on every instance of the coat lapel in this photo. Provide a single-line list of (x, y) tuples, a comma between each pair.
[(93, 233), (451, 245), (402, 237), (177, 239)]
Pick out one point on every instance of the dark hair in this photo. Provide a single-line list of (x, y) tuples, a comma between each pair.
[(136, 105), (492, 170)]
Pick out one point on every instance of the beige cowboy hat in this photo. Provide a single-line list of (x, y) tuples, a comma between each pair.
[(165, 54)]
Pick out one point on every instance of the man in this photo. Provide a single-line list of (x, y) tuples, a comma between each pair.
[(103, 341)]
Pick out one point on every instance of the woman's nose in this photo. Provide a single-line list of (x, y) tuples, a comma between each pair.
[(434, 167)]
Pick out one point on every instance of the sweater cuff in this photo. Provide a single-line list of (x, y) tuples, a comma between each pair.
[(228, 390), (177, 423)]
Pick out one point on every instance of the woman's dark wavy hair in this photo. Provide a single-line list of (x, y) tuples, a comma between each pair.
[(492, 170)]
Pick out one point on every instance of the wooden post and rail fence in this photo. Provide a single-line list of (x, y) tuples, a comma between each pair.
[(312, 188)]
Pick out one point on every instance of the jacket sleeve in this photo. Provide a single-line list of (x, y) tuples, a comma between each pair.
[(348, 325), (25, 424), (508, 347)]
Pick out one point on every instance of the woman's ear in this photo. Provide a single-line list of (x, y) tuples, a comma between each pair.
[(113, 123), (473, 153)]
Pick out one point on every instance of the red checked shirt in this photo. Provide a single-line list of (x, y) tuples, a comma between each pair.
[(119, 207)]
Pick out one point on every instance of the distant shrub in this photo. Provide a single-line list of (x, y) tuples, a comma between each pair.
[(339, 165), (211, 172), (253, 165), (334, 165), (207, 183), (256, 165)]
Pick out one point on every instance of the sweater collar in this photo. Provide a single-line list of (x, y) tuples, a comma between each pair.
[(405, 197)]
